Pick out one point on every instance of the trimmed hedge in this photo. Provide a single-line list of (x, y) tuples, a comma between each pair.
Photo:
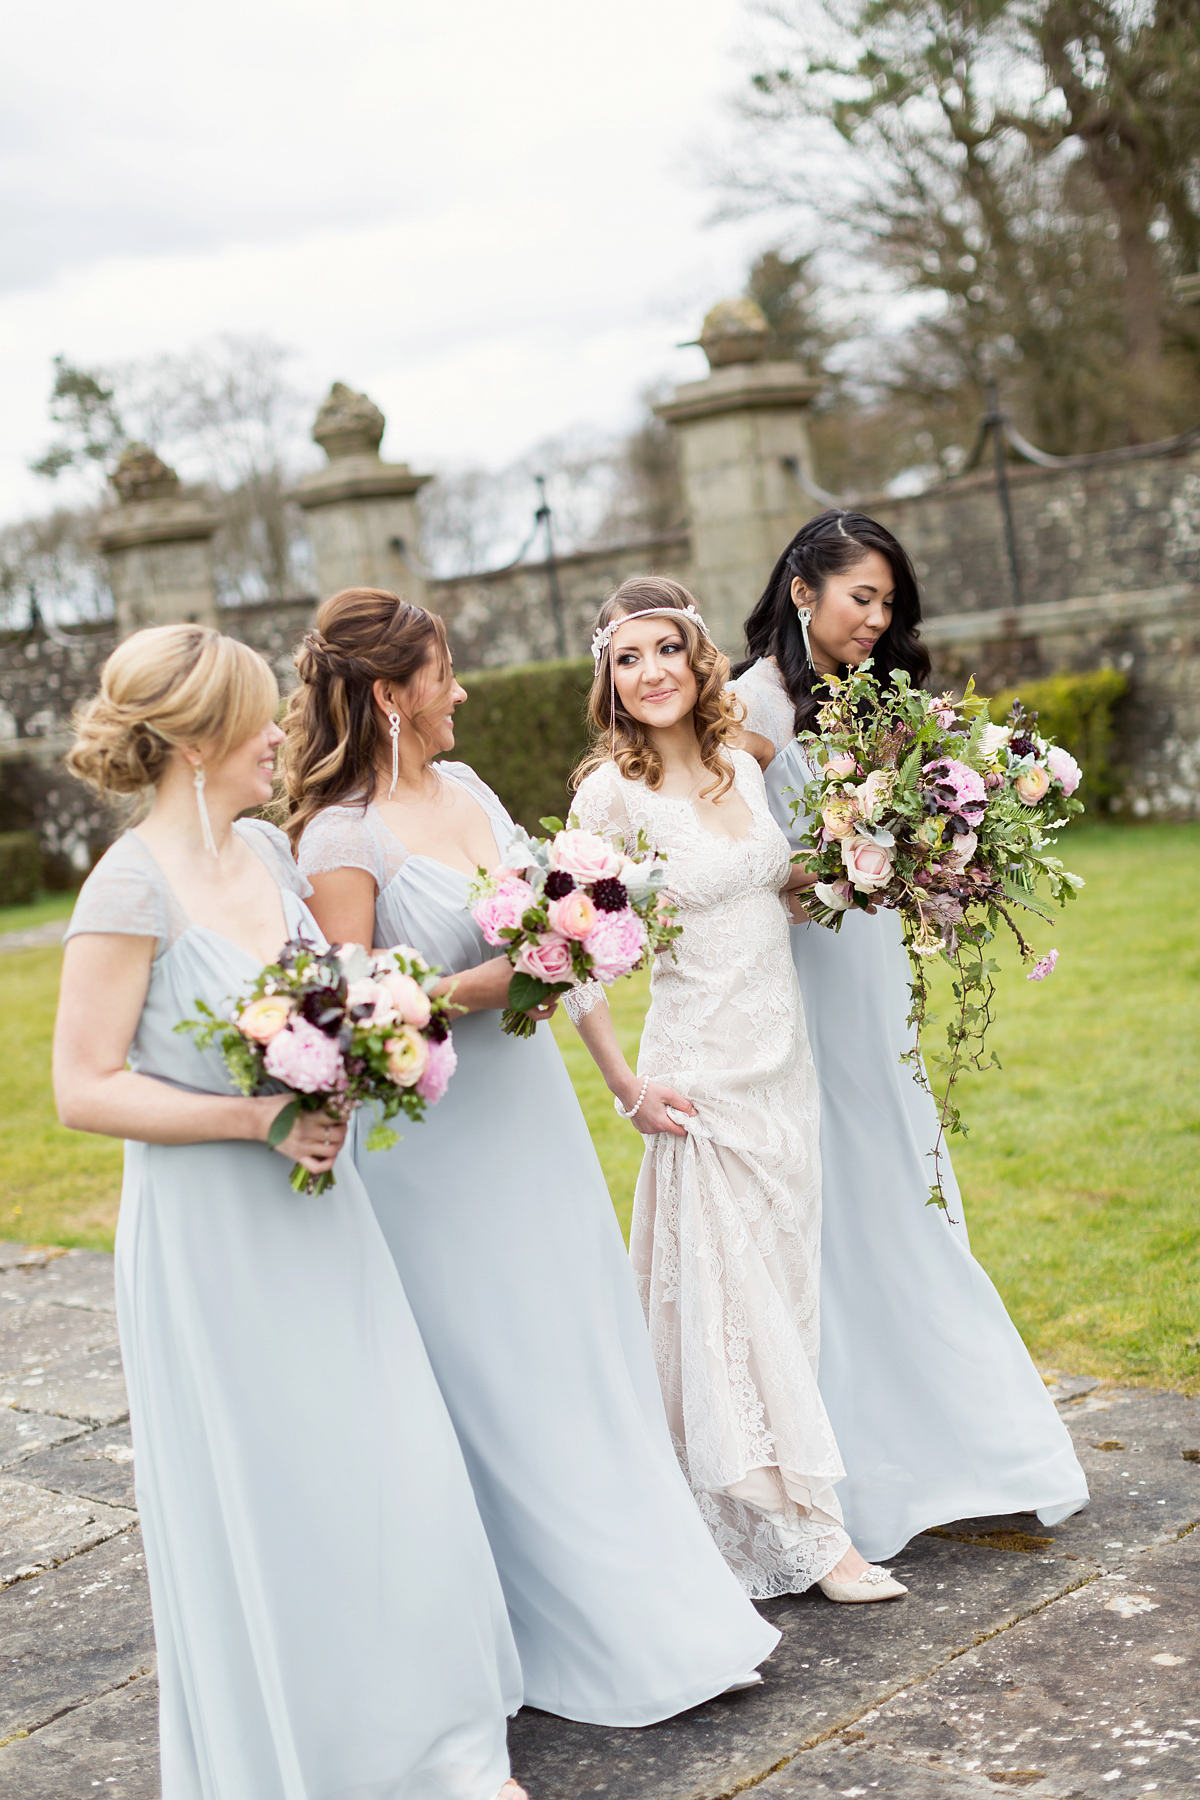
[(1077, 711), (523, 729), (20, 867)]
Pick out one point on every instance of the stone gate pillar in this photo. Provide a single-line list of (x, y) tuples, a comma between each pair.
[(359, 507), (158, 547), (741, 436)]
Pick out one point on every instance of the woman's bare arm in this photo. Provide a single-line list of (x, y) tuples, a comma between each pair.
[(755, 745), (598, 1032)]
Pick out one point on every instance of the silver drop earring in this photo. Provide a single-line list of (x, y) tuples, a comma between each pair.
[(202, 809), (804, 614), (394, 726)]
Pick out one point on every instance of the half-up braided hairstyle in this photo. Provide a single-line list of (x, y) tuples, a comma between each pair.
[(625, 740), (331, 744), (829, 544)]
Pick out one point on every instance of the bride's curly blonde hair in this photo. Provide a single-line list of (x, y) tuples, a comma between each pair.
[(625, 740)]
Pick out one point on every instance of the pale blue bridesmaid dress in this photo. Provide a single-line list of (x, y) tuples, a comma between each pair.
[(327, 1612), (937, 1408), (501, 1225)]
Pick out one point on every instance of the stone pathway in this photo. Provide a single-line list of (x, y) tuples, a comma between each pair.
[(1065, 1661), (38, 937)]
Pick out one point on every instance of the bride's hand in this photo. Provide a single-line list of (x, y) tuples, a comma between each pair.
[(652, 1115)]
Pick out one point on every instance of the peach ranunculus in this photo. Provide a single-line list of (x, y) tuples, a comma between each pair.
[(263, 1019), (840, 817), (408, 1056), (585, 856), (842, 765), (547, 960), (1032, 784), (574, 915), (408, 997), (868, 864)]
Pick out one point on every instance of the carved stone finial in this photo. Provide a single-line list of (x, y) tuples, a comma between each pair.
[(348, 424), (735, 331), (143, 475)]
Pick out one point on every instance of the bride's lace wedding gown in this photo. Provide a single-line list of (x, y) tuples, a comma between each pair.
[(727, 1220)]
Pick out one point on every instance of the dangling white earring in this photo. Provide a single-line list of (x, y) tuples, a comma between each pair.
[(394, 725), (202, 809), (804, 614)]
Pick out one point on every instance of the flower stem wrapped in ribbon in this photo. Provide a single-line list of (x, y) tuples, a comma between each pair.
[(336, 1028), (569, 909), (922, 805)]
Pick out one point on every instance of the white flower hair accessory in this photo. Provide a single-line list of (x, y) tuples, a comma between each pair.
[(600, 639)]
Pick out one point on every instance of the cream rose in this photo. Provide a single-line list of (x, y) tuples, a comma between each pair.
[(1032, 784), (840, 817), (961, 849), (585, 856), (868, 865)]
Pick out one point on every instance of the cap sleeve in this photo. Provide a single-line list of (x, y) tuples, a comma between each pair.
[(600, 804), (126, 895), (343, 837), (769, 709), (272, 845)]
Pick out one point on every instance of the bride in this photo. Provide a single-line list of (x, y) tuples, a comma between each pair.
[(938, 1409), (727, 1215)]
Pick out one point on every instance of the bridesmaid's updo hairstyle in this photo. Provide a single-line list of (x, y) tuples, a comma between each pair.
[(331, 745), (716, 716), (830, 544), (169, 687)]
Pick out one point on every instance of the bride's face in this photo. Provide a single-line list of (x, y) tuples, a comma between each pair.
[(653, 677), (852, 614)]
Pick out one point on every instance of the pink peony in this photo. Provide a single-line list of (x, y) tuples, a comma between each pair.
[(502, 910), (966, 787), (574, 915), (264, 1019), (549, 959), (615, 944), (443, 1060), (1032, 784), (841, 765), (1065, 770), (585, 856), (305, 1060), (409, 998), (868, 865), (1040, 970)]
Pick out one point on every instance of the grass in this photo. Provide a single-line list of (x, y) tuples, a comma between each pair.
[(1079, 1172), (39, 912)]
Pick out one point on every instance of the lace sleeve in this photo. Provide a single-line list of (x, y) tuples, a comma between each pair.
[(600, 805), (343, 837), (272, 845), (769, 710), (127, 895)]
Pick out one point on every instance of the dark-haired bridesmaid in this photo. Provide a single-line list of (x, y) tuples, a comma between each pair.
[(937, 1408)]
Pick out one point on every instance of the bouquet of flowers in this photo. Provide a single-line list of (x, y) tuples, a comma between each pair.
[(337, 1028), (568, 910), (923, 805)]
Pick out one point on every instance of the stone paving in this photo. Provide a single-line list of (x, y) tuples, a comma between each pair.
[(1064, 1661)]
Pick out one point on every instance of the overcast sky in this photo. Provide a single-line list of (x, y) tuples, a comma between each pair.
[(485, 213)]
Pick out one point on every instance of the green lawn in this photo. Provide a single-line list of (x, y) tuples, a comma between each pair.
[(40, 912), (1079, 1174)]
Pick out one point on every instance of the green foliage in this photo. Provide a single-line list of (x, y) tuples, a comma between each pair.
[(523, 730), (20, 868), (1076, 710)]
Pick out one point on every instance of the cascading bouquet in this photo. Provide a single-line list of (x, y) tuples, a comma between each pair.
[(339, 1028), (570, 910), (923, 805)]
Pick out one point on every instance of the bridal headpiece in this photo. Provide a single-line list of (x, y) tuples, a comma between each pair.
[(601, 638)]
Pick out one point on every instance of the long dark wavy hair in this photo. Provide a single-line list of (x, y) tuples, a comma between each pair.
[(829, 544)]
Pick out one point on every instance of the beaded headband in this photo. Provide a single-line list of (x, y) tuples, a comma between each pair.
[(600, 639)]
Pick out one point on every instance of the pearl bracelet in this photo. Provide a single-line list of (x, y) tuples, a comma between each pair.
[(620, 1110)]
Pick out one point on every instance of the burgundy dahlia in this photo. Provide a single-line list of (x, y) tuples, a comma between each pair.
[(609, 895)]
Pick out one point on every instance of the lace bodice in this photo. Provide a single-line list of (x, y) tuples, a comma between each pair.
[(128, 894)]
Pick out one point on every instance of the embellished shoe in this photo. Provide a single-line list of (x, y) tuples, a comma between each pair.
[(873, 1584)]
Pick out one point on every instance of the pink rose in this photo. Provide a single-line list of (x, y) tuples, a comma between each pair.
[(305, 1060), (585, 856), (1040, 970), (1032, 784), (409, 998), (443, 1060), (945, 715), (263, 1019), (868, 865), (574, 915), (841, 766), (615, 944), (1065, 770), (961, 849), (549, 959), (502, 910), (408, 1056)]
